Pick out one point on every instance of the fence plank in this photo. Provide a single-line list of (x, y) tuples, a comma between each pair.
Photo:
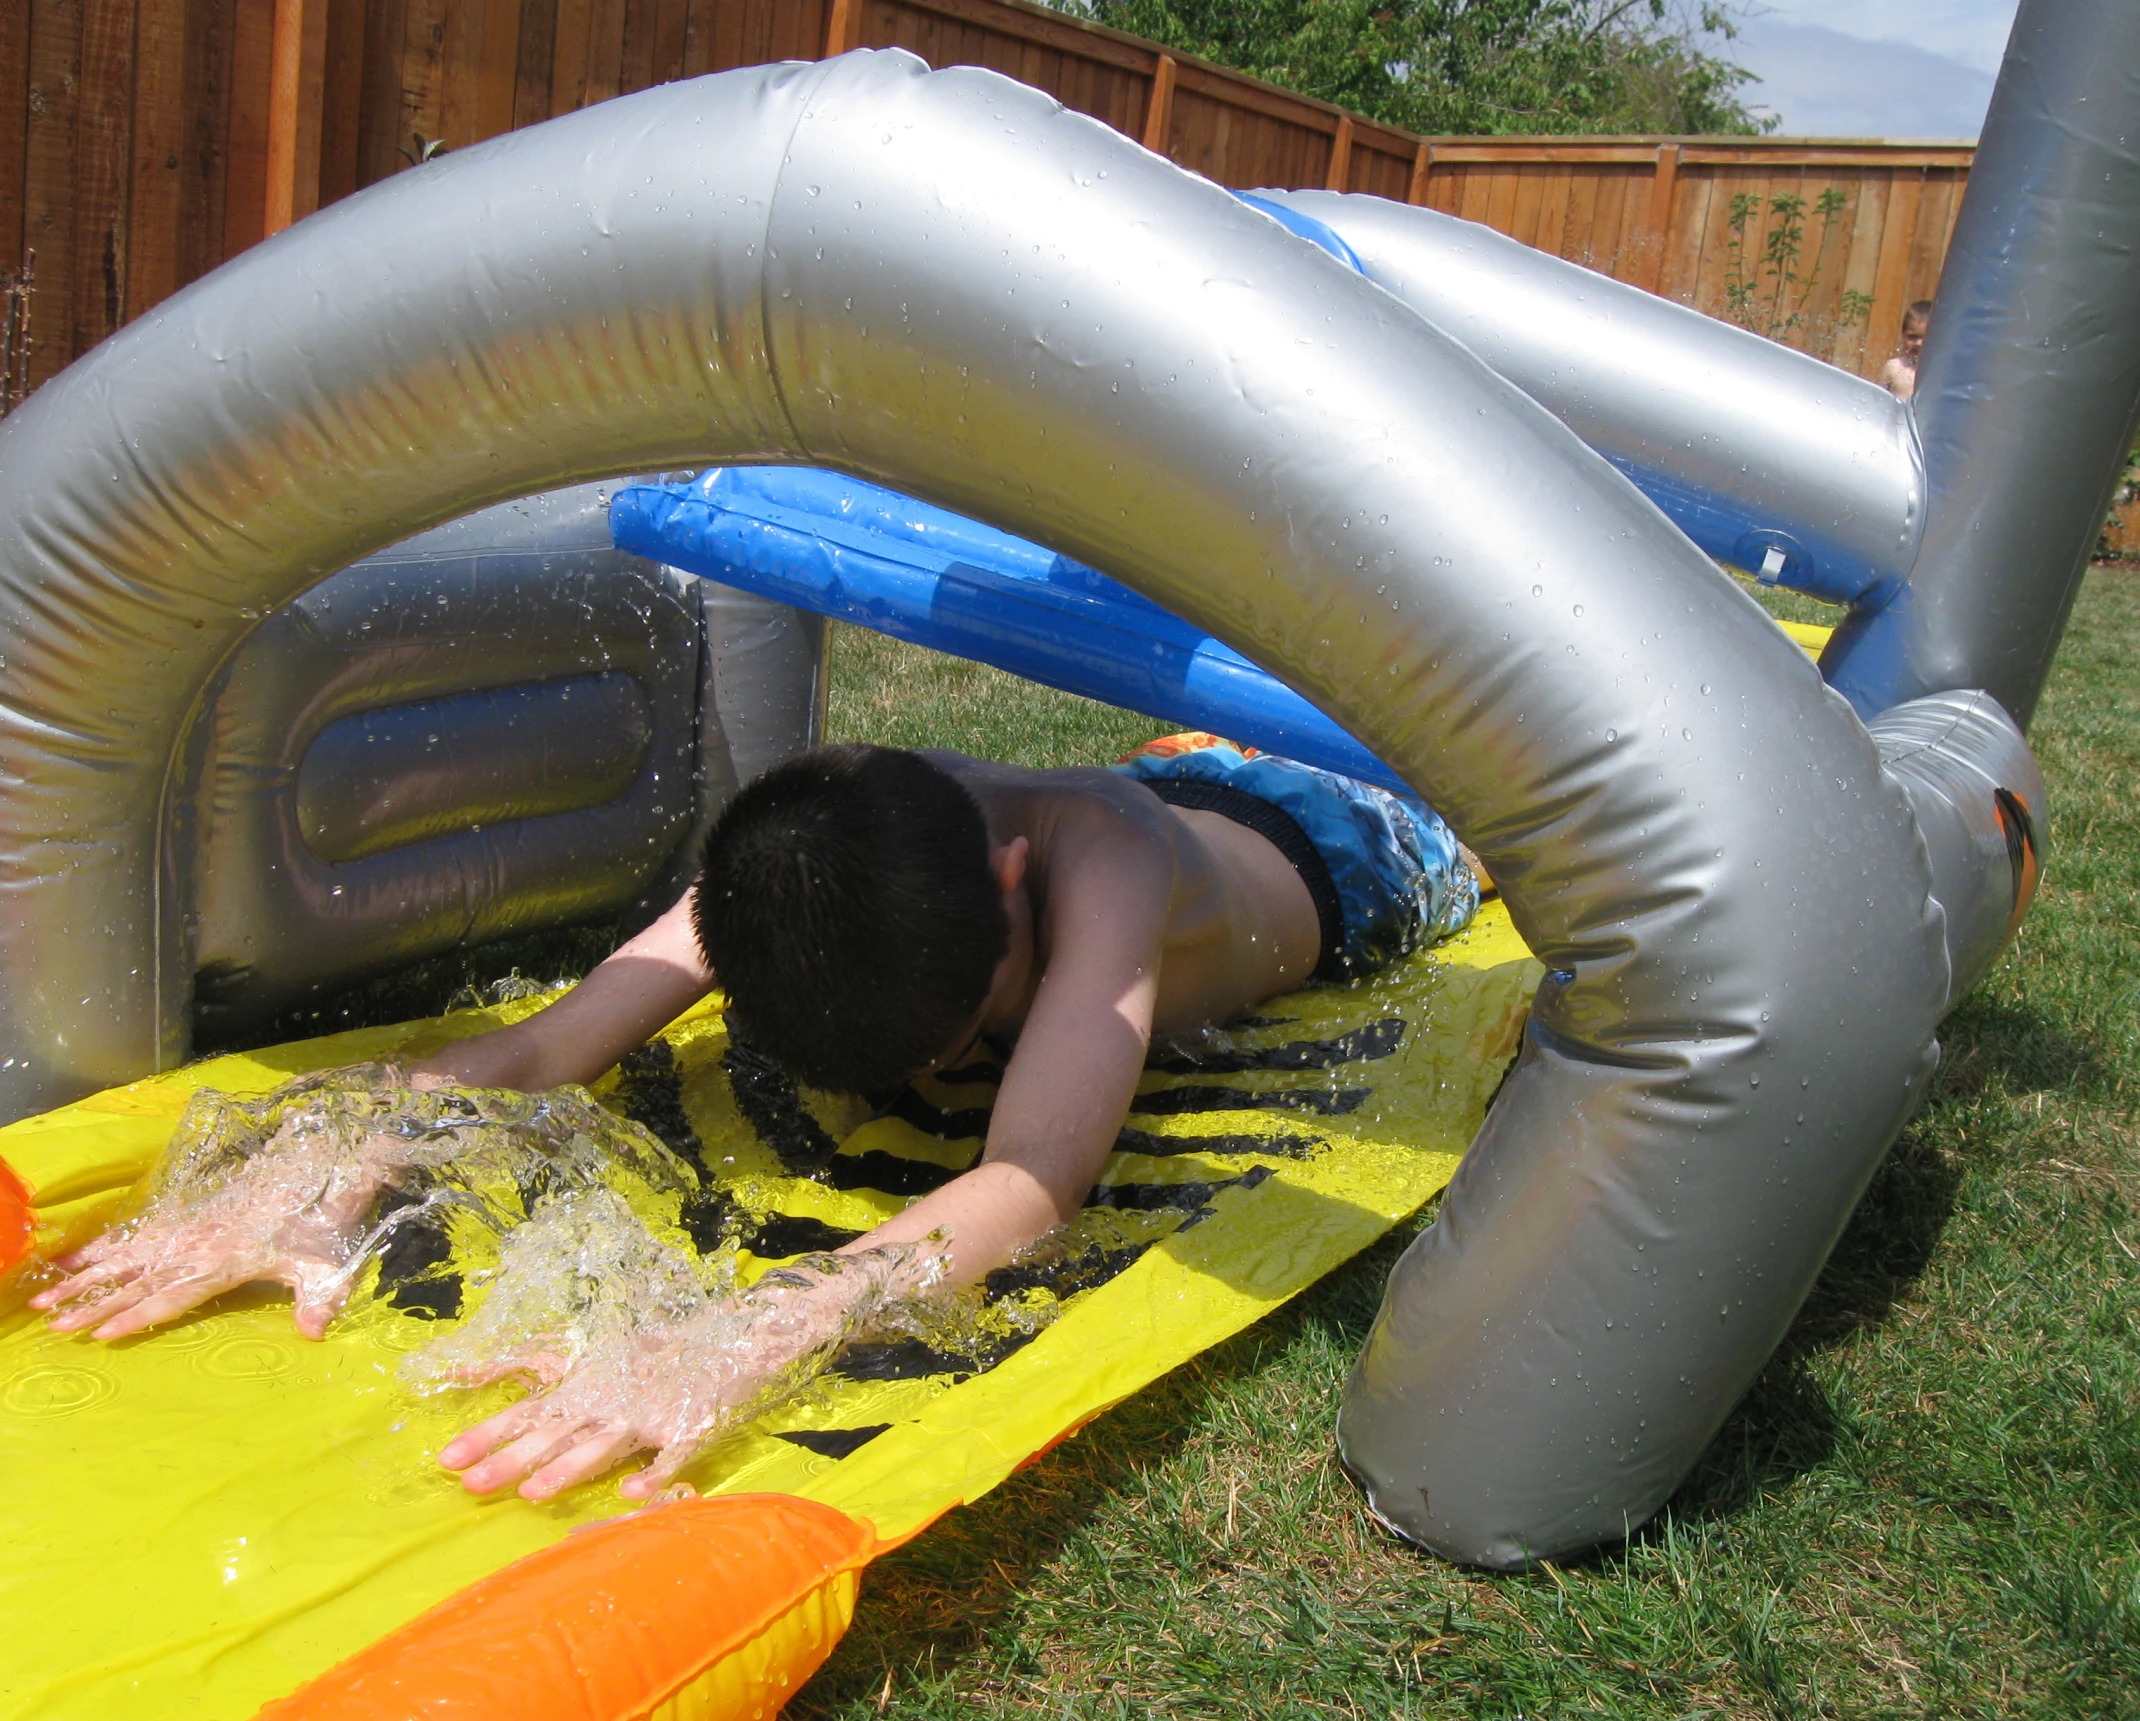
[(1936, 207), (497, 66), (843, 27), (423, 77), (49, 179), (1859, 348), (251, 66), (1897, 235), (14, 131), (605, 52), (159, 131), (636, 45), (568, 65), (342, 102), (534, 60), (103, 125), (204, 151), (296, 100), (380, 137), (1529, 196), (671, 22)]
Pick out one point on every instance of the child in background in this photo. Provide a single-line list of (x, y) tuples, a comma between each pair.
[(874, 915), (1899, 375)]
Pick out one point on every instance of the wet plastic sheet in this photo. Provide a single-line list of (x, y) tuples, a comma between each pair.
[(203, 1518)]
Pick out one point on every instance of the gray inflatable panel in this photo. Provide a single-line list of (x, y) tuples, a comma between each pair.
[(491, 728), (946, 283)]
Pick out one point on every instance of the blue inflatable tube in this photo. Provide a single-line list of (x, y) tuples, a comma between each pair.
[(853, 551)]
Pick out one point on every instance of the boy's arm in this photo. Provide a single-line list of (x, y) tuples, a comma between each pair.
[(123, 1282), (628, 998), (1077, 1061)]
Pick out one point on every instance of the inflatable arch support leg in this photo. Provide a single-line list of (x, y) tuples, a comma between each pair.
[(947, 283)]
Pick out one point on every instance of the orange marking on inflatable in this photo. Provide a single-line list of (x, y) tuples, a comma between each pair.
[(18, 1220), (724, 1604)]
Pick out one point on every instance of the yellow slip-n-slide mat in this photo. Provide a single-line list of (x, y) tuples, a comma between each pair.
[(211, 1518)]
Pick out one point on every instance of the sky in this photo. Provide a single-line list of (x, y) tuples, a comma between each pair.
[(1874, 68)]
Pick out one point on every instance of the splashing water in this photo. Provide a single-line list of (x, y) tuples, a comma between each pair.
[(282, 1186), (630, 1336)]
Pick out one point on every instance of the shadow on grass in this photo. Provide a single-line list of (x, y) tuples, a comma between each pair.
[(1787, 1424), (937, 1602), (1995, 1043)]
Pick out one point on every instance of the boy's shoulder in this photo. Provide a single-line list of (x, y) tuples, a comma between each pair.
[(1063, 811)]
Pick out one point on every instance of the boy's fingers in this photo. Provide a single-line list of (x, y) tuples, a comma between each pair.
[(519, 1459), (486, 1437), (594, 1453), (645, 1484), (156, 1303), (76, 1284), (92, 1310), (317, 1305)]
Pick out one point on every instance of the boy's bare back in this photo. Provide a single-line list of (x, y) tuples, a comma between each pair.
[(1235, 924)]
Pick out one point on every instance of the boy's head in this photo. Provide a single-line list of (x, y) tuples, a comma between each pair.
[(850, 910), (1915, 322)]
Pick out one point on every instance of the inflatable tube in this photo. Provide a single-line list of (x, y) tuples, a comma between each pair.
[(835, 546), (228, 1514), (1797, 472), (839, 547), (945, 283)]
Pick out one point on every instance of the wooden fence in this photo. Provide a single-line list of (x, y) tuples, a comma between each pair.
[(144, 141)]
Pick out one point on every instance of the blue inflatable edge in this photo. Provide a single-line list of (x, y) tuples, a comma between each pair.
[(851, 550), (1305, 227)]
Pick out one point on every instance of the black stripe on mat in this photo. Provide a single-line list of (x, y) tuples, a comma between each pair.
[(1376, 1040)]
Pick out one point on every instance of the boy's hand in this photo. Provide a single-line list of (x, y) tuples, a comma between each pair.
[(133, 1278), (669, 1390), (658, 1397)]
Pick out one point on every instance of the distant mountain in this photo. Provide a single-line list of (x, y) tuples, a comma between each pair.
[(1823, 83)]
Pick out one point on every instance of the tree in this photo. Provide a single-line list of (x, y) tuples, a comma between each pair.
[(1470, 66)]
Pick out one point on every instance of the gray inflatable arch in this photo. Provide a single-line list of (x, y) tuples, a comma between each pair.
[(945, 282)]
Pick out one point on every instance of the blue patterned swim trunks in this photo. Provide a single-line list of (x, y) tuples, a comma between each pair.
[(1386, 873)]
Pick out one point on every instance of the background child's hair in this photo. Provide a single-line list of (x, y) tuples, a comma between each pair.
[(848, 907)]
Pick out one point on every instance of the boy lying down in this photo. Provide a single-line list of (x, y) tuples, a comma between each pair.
[(874, 915)]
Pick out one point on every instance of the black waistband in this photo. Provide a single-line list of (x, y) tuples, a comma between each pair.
[(1283, 832)]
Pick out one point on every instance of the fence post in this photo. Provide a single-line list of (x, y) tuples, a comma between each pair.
[(297, 73), (1422, 169), (843, 27), (1159, 109), (1650, 273), (1340, 156)]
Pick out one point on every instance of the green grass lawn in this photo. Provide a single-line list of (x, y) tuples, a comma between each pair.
[(1928, 1505)]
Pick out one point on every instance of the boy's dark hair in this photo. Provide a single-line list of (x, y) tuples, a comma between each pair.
[(1920, 312), (849, 910)]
